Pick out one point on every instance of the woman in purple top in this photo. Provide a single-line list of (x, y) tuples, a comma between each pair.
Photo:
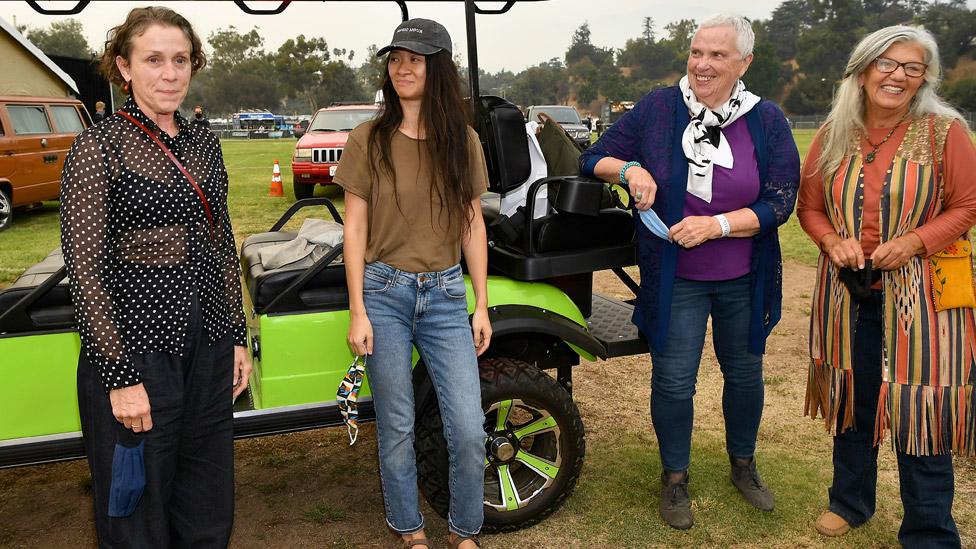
[(719, 166)]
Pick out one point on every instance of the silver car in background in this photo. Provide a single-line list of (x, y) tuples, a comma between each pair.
[(567, 117)]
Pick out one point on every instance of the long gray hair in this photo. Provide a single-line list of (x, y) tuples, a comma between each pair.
[(845, 123)]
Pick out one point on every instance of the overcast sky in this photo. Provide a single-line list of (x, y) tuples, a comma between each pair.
[(530, 33)]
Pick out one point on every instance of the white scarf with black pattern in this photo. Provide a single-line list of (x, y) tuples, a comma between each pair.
[(703, 142)]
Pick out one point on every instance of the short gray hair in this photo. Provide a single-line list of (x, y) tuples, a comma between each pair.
[(745, 38)]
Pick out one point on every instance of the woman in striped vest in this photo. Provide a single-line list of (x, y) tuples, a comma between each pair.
[(885, 188)]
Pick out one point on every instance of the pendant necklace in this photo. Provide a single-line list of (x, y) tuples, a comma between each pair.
[(869, 158)]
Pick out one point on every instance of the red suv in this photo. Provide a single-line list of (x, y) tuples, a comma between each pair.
[(319, 149)]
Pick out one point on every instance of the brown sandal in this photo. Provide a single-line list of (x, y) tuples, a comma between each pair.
[(458, 540), (408, 543)]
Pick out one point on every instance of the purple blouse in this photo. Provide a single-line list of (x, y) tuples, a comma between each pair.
[(732, 189)]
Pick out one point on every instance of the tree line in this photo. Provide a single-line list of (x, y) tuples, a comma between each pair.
[(799, 57)]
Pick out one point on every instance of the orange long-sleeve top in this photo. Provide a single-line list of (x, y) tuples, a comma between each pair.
[(959, 190)]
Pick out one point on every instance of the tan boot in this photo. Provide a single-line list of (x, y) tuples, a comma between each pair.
[(831, 524)]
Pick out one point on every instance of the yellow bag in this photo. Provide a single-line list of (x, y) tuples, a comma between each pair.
[(951, 272)]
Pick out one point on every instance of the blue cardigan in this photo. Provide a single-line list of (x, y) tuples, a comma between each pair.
[(651, 134)]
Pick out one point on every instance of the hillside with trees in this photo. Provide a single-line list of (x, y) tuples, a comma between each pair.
[(798, 58)]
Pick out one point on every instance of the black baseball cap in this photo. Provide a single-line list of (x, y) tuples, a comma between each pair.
[(421, 36)]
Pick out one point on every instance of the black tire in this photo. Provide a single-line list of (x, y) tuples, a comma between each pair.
[(533, 394), (6, 210), (303, 190)]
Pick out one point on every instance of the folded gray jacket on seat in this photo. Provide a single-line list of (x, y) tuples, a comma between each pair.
[(315, 239)]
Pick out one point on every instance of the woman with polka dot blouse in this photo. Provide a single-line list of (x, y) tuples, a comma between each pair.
[(156, 288)]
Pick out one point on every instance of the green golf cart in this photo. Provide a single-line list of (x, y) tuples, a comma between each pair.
[(544, 315)]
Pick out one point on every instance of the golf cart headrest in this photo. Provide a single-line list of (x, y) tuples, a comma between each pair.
[(501, 128)]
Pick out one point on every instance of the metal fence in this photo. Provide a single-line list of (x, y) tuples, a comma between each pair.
[(226, 130), (797, 122), (807, 121), (253, 134), (814, 121)]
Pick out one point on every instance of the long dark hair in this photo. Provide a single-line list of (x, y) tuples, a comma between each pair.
[(443, 120)]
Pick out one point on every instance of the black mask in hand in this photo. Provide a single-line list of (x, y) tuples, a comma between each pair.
[(859, 282)]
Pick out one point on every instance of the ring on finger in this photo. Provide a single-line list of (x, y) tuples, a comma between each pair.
[(639, 196)]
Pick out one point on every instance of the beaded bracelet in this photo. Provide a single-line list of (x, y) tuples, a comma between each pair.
[(623, 170)]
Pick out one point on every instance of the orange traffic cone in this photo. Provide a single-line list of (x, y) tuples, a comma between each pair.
[(276, 189)]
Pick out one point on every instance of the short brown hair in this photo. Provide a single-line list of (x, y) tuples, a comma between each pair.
[(118, 41)]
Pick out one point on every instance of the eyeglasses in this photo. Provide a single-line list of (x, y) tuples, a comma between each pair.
[(912, 69)]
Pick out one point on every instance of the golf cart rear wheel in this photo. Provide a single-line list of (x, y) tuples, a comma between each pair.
[(303, 190), (6, 210), (534, 446)]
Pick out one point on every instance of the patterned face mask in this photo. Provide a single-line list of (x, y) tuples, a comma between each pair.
[(348, 396)]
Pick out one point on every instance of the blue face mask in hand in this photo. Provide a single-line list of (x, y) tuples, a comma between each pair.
[(128, 474), (654, 224)]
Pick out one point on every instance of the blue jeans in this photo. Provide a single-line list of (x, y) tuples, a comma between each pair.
[(675, 369), (926, 482), (429, 311)]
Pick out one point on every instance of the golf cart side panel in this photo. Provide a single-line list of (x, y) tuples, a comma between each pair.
[(506, 291), (39, 389), (302, 357)]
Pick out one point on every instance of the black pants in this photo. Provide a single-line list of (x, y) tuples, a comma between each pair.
[(926, 483), (188, 500)]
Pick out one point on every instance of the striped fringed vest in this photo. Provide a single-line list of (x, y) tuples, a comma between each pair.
[(926, 396)]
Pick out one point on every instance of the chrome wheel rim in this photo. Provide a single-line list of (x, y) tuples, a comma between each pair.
[(5, 209), (523, 454)]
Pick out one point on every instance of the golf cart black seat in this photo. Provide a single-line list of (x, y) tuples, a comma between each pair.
[(580, 236), (321, 287), (48, 310)]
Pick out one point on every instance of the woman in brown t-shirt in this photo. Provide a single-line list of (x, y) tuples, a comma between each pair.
[(412, 181)]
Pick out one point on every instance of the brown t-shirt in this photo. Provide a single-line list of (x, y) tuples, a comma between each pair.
[(414, 235)]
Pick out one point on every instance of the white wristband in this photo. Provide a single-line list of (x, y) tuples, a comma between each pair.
[(724, 222)]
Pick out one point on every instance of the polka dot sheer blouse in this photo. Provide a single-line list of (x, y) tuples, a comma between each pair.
[(138, 246)]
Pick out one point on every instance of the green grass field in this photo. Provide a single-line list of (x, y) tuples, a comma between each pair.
[(249, 163)]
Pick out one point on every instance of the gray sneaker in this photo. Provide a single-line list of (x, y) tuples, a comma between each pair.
[(745, 477), (675, 505)]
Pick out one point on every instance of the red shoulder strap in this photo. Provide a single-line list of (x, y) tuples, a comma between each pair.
[(186, 174)]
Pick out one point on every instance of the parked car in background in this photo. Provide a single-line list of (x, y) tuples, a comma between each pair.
[(35, 135), (612, 112), (567, 117), (318, 151)]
